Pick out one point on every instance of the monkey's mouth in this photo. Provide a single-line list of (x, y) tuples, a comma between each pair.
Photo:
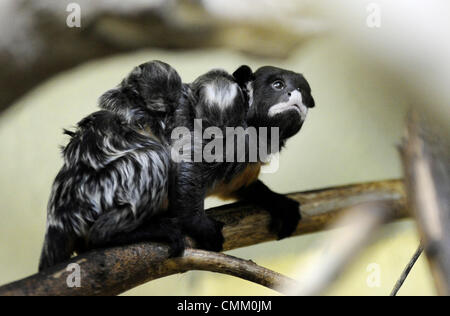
[(295, 103), (301, 109)]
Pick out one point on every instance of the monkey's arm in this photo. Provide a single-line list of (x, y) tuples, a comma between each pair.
[(284, 211)]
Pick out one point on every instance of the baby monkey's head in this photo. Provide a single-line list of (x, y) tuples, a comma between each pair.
[(277, 98)]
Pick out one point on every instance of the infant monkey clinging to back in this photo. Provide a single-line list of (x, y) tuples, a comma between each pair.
[(119, 184)]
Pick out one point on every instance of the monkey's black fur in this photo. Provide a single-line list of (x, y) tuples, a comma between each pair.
[(119, 183)]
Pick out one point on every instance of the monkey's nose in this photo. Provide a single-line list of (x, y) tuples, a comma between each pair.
[(295, 93)]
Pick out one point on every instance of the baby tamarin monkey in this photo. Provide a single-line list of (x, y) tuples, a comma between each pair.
[(120, 184)]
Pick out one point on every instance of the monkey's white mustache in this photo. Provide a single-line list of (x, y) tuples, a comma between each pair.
[(295, 102)]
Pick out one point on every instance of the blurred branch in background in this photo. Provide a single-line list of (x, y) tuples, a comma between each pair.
[(359, 225), (36, 42), (427, 178), (113, 271), (407, 270)]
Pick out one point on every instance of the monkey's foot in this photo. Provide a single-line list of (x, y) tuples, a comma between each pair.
[(285, 217), (206, 231)]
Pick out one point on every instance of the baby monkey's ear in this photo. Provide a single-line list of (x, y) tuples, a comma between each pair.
[(243, 75)]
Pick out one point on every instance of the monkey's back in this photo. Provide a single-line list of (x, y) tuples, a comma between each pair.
[(112, 176)]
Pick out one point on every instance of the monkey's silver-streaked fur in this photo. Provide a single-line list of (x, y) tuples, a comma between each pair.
[(115, 174)]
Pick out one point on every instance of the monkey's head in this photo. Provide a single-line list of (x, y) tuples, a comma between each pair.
[(153, 86), (277, 98)]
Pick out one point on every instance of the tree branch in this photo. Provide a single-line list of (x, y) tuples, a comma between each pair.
[(116, 270), (407, 270), (194, 259)]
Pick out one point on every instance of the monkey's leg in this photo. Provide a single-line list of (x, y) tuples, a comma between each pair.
[(110, 224), (161, 229), (285, 212), (187, 198)]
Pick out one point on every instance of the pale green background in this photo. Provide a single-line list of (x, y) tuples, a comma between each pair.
[(351, 136)]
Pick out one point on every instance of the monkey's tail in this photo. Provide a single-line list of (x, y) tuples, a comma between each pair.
[(58, 247)]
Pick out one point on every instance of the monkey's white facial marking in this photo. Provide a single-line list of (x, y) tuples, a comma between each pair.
[(295, 102), (221, 95), (249, 88)]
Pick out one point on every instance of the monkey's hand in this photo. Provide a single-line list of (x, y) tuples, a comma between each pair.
[(206, 231), (284, 212), (285, 216)]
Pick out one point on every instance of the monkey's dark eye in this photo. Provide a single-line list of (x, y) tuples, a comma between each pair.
[(278, 85)]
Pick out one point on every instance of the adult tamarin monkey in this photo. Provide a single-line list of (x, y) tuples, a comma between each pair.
[(120, 184)]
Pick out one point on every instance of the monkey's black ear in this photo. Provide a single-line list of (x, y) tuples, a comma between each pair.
[(243, 75)]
